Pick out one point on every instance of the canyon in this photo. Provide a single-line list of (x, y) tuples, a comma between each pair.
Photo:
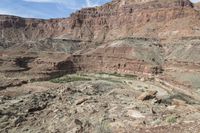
[(128, 65)]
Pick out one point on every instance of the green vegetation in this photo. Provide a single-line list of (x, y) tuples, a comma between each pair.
[(104, 126), (171, 119), (115, 74), (119, 75), (87, 77), (130, 76), (66, 79), (180, 96), (110, 80)]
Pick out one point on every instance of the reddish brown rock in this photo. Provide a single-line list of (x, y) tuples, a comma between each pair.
[(148, 95), (152, 18)]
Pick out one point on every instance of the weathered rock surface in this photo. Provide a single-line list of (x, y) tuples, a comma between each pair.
[(103, 105), (148, 95)]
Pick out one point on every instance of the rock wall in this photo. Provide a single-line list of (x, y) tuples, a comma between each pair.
[(131, 19), (128, 56), (102, 26), (153, 18), (111, 64)]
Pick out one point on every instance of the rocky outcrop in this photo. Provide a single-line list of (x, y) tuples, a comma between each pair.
[(121, 56), (148, 95), (17, 68), (75, 107)]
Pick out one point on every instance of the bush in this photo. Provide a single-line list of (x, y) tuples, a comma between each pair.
[(67, 79), (171, 119)]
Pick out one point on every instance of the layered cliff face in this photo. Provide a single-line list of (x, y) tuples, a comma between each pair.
[(127, 56), (154, 18), (158, 19), (125, 36), (20, 29)]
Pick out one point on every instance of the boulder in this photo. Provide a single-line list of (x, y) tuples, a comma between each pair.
[(148, 95)]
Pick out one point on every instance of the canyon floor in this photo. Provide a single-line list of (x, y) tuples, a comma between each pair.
[(101, 90), (99, 103), (126, 85)]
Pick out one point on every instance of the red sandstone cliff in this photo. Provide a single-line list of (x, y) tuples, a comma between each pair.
[(132, 18)]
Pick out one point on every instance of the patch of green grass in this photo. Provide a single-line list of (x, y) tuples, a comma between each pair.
[(67, 79), (119, 75), (111, 74), (171, 119), (104, 126), (101, 73), (115, 74), (110, 80), (130, 76)]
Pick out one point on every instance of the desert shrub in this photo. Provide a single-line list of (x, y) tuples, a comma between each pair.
[(67, 79), (171, 119)]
